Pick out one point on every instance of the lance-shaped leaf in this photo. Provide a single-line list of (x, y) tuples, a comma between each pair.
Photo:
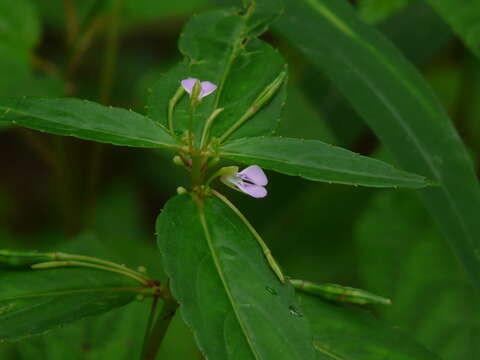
[(395, 101), (350, 334), (220, 47), (34, 301), (85, 120), (318, 161), (229, 295), (463, 16)]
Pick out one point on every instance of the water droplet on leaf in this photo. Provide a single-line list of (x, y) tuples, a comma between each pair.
[(271, 290), (294, 311)]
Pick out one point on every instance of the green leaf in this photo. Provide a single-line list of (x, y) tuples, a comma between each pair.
[(318, 161), (463, 17), (350, 334), (32, 302), (219, 48), (415, 265), (375, 11), (227, 291), (393, 98), (52, 12), (19, 34), (86, 120), (19, 24), (418, 32)]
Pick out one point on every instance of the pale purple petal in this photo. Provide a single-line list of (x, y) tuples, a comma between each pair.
[(254, 174), (207, 88), (252, 190), (188, 84)]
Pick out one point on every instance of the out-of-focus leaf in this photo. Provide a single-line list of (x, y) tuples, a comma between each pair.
[(53, 13), (350, 334), (318, 161), (251, 315), (86, 120), (141, 11), (22, 259), (418, 32), (133, 12), (216, 48), (121, 206), (34, 301), (374, 11), (19, 25), (463, 16), (432, 299), (19, 33), (395, 101), (301, 120), (471, 108), (294, 234)]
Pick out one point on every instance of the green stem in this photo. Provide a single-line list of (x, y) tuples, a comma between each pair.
[(171, 107), (196, 170), (65, 184), (72, 21), (110, 58), (71, 263), (207, 127), (266, 251), (93, 180), (84, 42), (235, 47), (37, 143), (64, 256), (148, 329), (160, 328), (191, 139)]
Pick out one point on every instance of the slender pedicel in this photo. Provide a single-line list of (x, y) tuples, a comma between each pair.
[(71, 263), (208, 125), (266, 251), (171, 106)]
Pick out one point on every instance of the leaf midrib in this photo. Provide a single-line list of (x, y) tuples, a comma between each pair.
[(232, 54), (201, 212)]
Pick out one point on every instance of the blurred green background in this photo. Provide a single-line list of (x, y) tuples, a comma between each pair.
[(104, 199)]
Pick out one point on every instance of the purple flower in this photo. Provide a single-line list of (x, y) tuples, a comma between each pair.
[(206, 87), (251, 181)]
